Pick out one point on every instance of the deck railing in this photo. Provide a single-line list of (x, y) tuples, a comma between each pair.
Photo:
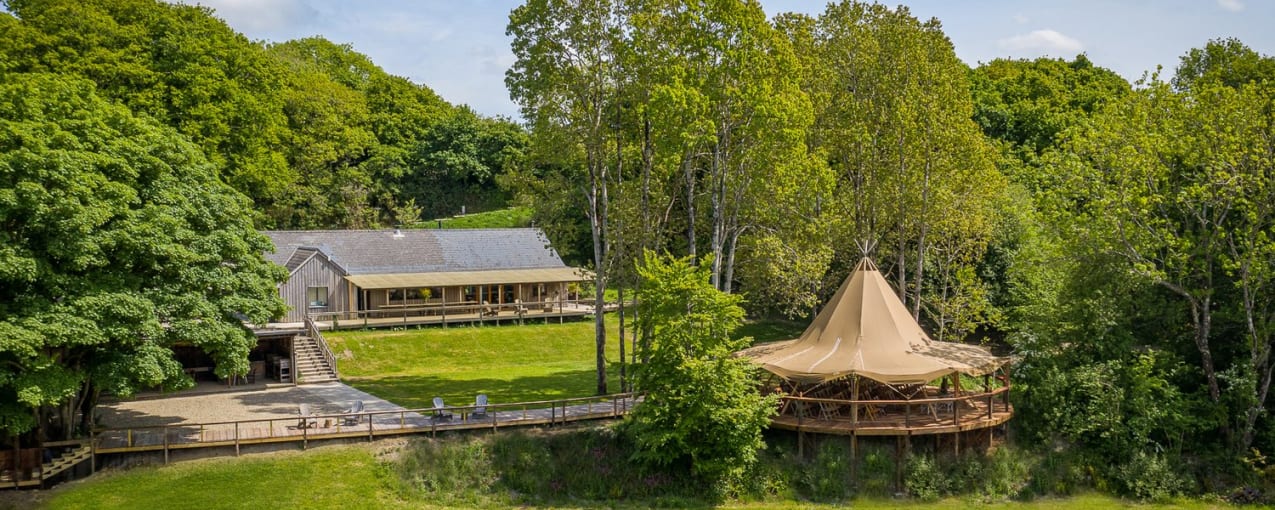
[(453, 312), (871, 413), (370, 424)]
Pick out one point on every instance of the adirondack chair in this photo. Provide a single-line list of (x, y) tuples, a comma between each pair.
[(440, 411), (354, 414), (307, 419), (480, 406)]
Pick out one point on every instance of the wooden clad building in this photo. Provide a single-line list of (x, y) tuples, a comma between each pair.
[(372, 274)]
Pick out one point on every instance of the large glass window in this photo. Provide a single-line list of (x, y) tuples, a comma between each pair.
[(317, 296)]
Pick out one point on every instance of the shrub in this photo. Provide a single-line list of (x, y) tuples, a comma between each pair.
[(826, 478), (924, 480), (1149, 477)]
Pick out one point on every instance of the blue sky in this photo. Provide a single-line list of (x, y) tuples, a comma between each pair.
[(459, 47)]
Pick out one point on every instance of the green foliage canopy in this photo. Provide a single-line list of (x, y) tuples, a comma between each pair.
[(118, 243), (701, 403)]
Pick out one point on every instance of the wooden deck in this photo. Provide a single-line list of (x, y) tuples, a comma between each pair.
[(447, 315), (895, 417), (369, 425)]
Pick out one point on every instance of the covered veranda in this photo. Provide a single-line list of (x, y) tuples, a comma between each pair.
[(459, 297)]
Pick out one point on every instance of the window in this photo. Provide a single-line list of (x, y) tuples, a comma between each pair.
[(317, 296)]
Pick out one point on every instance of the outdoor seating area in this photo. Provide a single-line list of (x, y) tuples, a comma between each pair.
[(864, 366)]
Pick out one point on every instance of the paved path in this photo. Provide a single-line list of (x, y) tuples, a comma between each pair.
[(327, 398), (271, 416)]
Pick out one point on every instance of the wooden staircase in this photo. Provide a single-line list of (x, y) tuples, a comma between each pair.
[(312, 366), (66, 461), (48, 470)]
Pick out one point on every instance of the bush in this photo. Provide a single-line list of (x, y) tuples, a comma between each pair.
[(1149, 477), (826, 478), (924, 480)]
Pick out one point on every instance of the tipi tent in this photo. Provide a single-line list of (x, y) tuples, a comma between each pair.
[(865, 330)]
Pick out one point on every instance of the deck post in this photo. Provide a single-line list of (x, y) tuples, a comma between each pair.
[(956, 443), (166, 444), (92, 450), (898, 464), (854, 455), (305, 433), (236, 439), (369, 427)]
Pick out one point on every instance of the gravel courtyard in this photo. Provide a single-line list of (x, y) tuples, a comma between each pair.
[(327, 398)]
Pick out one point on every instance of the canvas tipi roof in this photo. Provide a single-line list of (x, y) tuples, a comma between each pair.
[(866, 330)]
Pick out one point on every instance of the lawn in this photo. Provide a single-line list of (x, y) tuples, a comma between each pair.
[(514, 217), (509, 363), (355, 476), (330, 477)]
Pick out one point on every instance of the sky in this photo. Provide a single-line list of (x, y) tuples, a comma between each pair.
[(459, 47)]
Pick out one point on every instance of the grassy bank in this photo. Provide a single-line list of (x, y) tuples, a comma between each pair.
[(514, 217), (573, 468), (509, 363)]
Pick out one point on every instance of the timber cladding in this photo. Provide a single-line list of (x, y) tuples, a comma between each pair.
[(315, 273)]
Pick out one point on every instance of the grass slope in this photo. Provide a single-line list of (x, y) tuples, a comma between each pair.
[(332, 477), (514, 217), (509, 363), (354, 477)]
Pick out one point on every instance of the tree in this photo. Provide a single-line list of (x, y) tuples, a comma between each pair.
[(565, 79), (119, 242), (1225, 62), (1177, 184), (893, 119), (701, 403)]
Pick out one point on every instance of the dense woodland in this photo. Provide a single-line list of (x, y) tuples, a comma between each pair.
[(1115, 237)]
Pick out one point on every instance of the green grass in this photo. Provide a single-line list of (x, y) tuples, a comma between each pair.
[(330, 477), (513, 217), (509, 363), (360, 476)]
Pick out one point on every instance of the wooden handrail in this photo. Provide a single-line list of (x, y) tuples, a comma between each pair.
[(491, 407), (399, 311), (919, 401), (313, 330)]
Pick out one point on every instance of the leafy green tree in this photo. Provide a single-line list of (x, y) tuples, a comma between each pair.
[(701, 403), (565, 80), (178, 64), (119, 242), (892, 113), (1227, 62), (1177, 184), (1026, 104)]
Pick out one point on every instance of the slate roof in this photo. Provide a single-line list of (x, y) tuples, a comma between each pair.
[(418, 250)]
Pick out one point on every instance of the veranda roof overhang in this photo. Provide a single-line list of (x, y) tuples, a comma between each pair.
[(459, 278)]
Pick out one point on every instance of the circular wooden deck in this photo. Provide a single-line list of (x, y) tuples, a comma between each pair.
[(895, 417)]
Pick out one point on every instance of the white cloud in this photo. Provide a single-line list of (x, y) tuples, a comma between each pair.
[(1043, 42), (1231, 5)]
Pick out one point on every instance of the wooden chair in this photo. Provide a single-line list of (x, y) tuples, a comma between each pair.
[(440, 411)]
